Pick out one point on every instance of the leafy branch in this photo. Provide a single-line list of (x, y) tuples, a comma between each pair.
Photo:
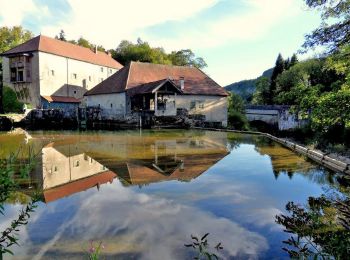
[(201, 245)]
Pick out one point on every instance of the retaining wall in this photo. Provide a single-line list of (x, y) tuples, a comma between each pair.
[(316, 156)]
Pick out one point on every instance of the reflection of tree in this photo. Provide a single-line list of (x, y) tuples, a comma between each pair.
[(320, 230), (11, 170)]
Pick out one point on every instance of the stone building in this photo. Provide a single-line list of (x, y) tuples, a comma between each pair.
[(50, 68), (160, 90)]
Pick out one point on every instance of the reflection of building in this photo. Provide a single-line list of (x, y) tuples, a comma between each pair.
[(66, 170), (70, 167)]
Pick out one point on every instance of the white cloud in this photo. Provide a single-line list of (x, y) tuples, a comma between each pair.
[(256, 20), (147, 226), (107, 22), (12, 12)]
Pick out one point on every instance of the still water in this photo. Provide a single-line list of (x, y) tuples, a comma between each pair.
[(144, 193)]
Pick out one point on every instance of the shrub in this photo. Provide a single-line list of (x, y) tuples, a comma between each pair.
[(10, 101), (237, 120)]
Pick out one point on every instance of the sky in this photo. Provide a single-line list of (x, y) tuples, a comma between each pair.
[(238, 39)]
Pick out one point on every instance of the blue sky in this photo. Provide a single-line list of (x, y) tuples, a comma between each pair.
[(238, 39)]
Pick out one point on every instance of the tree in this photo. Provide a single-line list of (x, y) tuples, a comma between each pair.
[(9, 38), (236, 112), (142, 51), (334, 30), (294, 60), (187, 58), (277, 70), (261, 95), (61, 36), (84, 43)]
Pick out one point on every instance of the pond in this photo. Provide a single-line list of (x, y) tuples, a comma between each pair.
[(143, 193)]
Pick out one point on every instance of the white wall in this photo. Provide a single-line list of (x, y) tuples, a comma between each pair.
[(32, 87), (213, 107), (45, 83), (170, 107), (59, 169), (87, 74), (117, 100)]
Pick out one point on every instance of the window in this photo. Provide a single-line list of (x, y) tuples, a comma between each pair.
[(110, 71), (13, 74), (75, 92), (89, 78), (76, 163), (52, 73), (75, 76), (111, 105), (20, 75), (101, 69)]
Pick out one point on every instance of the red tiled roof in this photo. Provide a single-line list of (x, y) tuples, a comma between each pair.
[(78, 186), (65, 49), (61, 99), (138, 73)]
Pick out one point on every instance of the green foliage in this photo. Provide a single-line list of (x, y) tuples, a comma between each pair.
[(331, 109), (186, 58), (61, 36), (280, 66), (10, 37), (10, 101), (246, 88), (142, 51), (94, 250), (236, 113), (262, 92), (321, 230), (13, 36), (9, 168), (201, 246), (335, 27)]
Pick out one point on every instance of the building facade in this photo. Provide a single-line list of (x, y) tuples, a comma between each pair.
[(162, 90), (49, 67)]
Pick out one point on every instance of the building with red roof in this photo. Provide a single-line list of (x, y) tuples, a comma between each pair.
[(44, 69), (161, 90)]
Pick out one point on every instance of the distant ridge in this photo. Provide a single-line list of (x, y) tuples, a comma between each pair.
[(246, 88)]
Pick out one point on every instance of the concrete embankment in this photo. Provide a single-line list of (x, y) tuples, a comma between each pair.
[(324, 159)]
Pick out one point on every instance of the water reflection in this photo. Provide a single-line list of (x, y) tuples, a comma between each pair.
[(143, 194), (69, 167)]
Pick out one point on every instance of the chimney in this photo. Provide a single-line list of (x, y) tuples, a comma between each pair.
[(182, 83), (95, 50)]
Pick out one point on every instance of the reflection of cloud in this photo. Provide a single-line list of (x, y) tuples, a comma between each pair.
[(154, 228), (264, 217)]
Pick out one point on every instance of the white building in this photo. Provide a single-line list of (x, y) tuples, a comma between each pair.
[(44, 68), (160, 90)]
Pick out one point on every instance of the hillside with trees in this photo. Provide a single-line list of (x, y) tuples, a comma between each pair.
[(246, 88), (317, 88)]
